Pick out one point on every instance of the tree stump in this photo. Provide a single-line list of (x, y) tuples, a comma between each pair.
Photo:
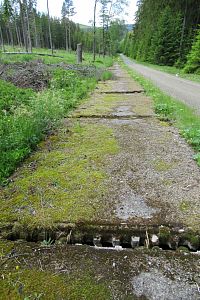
[(79, 53)]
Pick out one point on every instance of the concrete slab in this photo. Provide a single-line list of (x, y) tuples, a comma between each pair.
[(115, 177)]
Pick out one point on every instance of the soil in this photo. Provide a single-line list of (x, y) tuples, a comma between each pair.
[(36, 75)]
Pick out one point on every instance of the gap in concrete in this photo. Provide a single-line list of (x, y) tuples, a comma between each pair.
[(98, 235), (113, 117), (122, 92)]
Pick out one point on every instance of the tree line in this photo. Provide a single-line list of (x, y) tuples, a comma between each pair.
[(22, 25), (164, 32)]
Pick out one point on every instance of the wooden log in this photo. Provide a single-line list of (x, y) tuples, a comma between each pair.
[(32, 53)]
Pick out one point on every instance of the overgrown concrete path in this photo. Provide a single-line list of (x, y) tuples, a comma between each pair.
[(112, 176)]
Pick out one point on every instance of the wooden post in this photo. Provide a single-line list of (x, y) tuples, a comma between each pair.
[(79, 53)]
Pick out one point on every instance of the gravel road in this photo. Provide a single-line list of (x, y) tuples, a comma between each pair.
[(179, 88)]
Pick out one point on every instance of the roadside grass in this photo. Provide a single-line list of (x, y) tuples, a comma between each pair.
[(173, 111), (171, 70)]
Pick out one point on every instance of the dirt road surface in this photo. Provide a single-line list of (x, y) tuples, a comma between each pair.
[(179, 88)]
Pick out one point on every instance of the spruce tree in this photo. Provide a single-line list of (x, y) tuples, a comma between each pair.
[(193, 62)]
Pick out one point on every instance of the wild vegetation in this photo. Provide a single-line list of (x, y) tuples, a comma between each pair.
[(38, 91), (27, 115), (165, 33)]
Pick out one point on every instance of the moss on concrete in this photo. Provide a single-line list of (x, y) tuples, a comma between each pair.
[(185, 205), (164, 234), (99, 105), (63, 181), (162, 166), (34, 284), (5, 248), (103, 104), (164, 123)]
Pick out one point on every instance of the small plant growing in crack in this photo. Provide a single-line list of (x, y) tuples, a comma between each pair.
[(47, 243)]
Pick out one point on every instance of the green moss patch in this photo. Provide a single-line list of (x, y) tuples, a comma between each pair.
[(64, 181), (162, 166), (185, 205), (34, 284), (102, 104), (5, 248), (99, 105)]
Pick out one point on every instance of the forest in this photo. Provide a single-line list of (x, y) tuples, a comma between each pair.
[(21, 25), (166, 33)]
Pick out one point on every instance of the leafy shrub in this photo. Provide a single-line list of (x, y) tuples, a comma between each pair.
[(106, 75), (12, 97), (164, 110), (192, 135)]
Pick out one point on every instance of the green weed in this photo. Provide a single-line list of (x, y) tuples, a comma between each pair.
[(106, 75), (47, 243), (164, 110)]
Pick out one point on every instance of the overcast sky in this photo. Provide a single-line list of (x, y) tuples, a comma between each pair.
[(84, 9)]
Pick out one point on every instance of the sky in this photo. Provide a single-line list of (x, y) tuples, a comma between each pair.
[(84, 9)]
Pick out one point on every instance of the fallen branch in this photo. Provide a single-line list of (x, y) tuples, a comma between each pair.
[(32, 53), (11, 257)]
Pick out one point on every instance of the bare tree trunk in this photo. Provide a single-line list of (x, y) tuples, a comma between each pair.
[(35, 29), (94, 31), (2, 41), (70, 47), (183, 29), (66, 35), (50, 37), (17, 33), (11, 34), (7, 36), (28, 27), (104, 48), (24, 30)]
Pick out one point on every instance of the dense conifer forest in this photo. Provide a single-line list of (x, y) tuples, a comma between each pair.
[(166, 33)]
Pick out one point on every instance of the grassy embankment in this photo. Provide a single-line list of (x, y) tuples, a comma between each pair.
[(172, 70), (26, 116), (173, 111)]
